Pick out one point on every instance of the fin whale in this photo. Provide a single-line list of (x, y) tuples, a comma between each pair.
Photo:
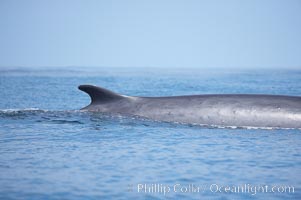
[(241, 110)]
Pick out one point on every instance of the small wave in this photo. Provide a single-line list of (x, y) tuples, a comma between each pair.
[(37, 115), (63, 121), (215, 126), (242, 127), (16, 110), (35, 110)]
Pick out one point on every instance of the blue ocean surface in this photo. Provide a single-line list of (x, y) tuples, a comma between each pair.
[(51, 150)]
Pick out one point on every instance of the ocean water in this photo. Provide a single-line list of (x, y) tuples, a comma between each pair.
[(51, 150)]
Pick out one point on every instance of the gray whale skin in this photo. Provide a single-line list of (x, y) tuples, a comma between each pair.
[(228, 110)]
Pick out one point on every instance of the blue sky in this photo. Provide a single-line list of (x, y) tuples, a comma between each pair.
[(152, 33)]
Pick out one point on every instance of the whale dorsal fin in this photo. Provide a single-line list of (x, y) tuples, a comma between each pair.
[(99, 95)]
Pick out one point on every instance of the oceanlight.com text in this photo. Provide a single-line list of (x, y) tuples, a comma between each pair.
[(165, 189)]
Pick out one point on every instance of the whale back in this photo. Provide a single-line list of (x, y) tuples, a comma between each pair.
[(210, 109), (100, 95)]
